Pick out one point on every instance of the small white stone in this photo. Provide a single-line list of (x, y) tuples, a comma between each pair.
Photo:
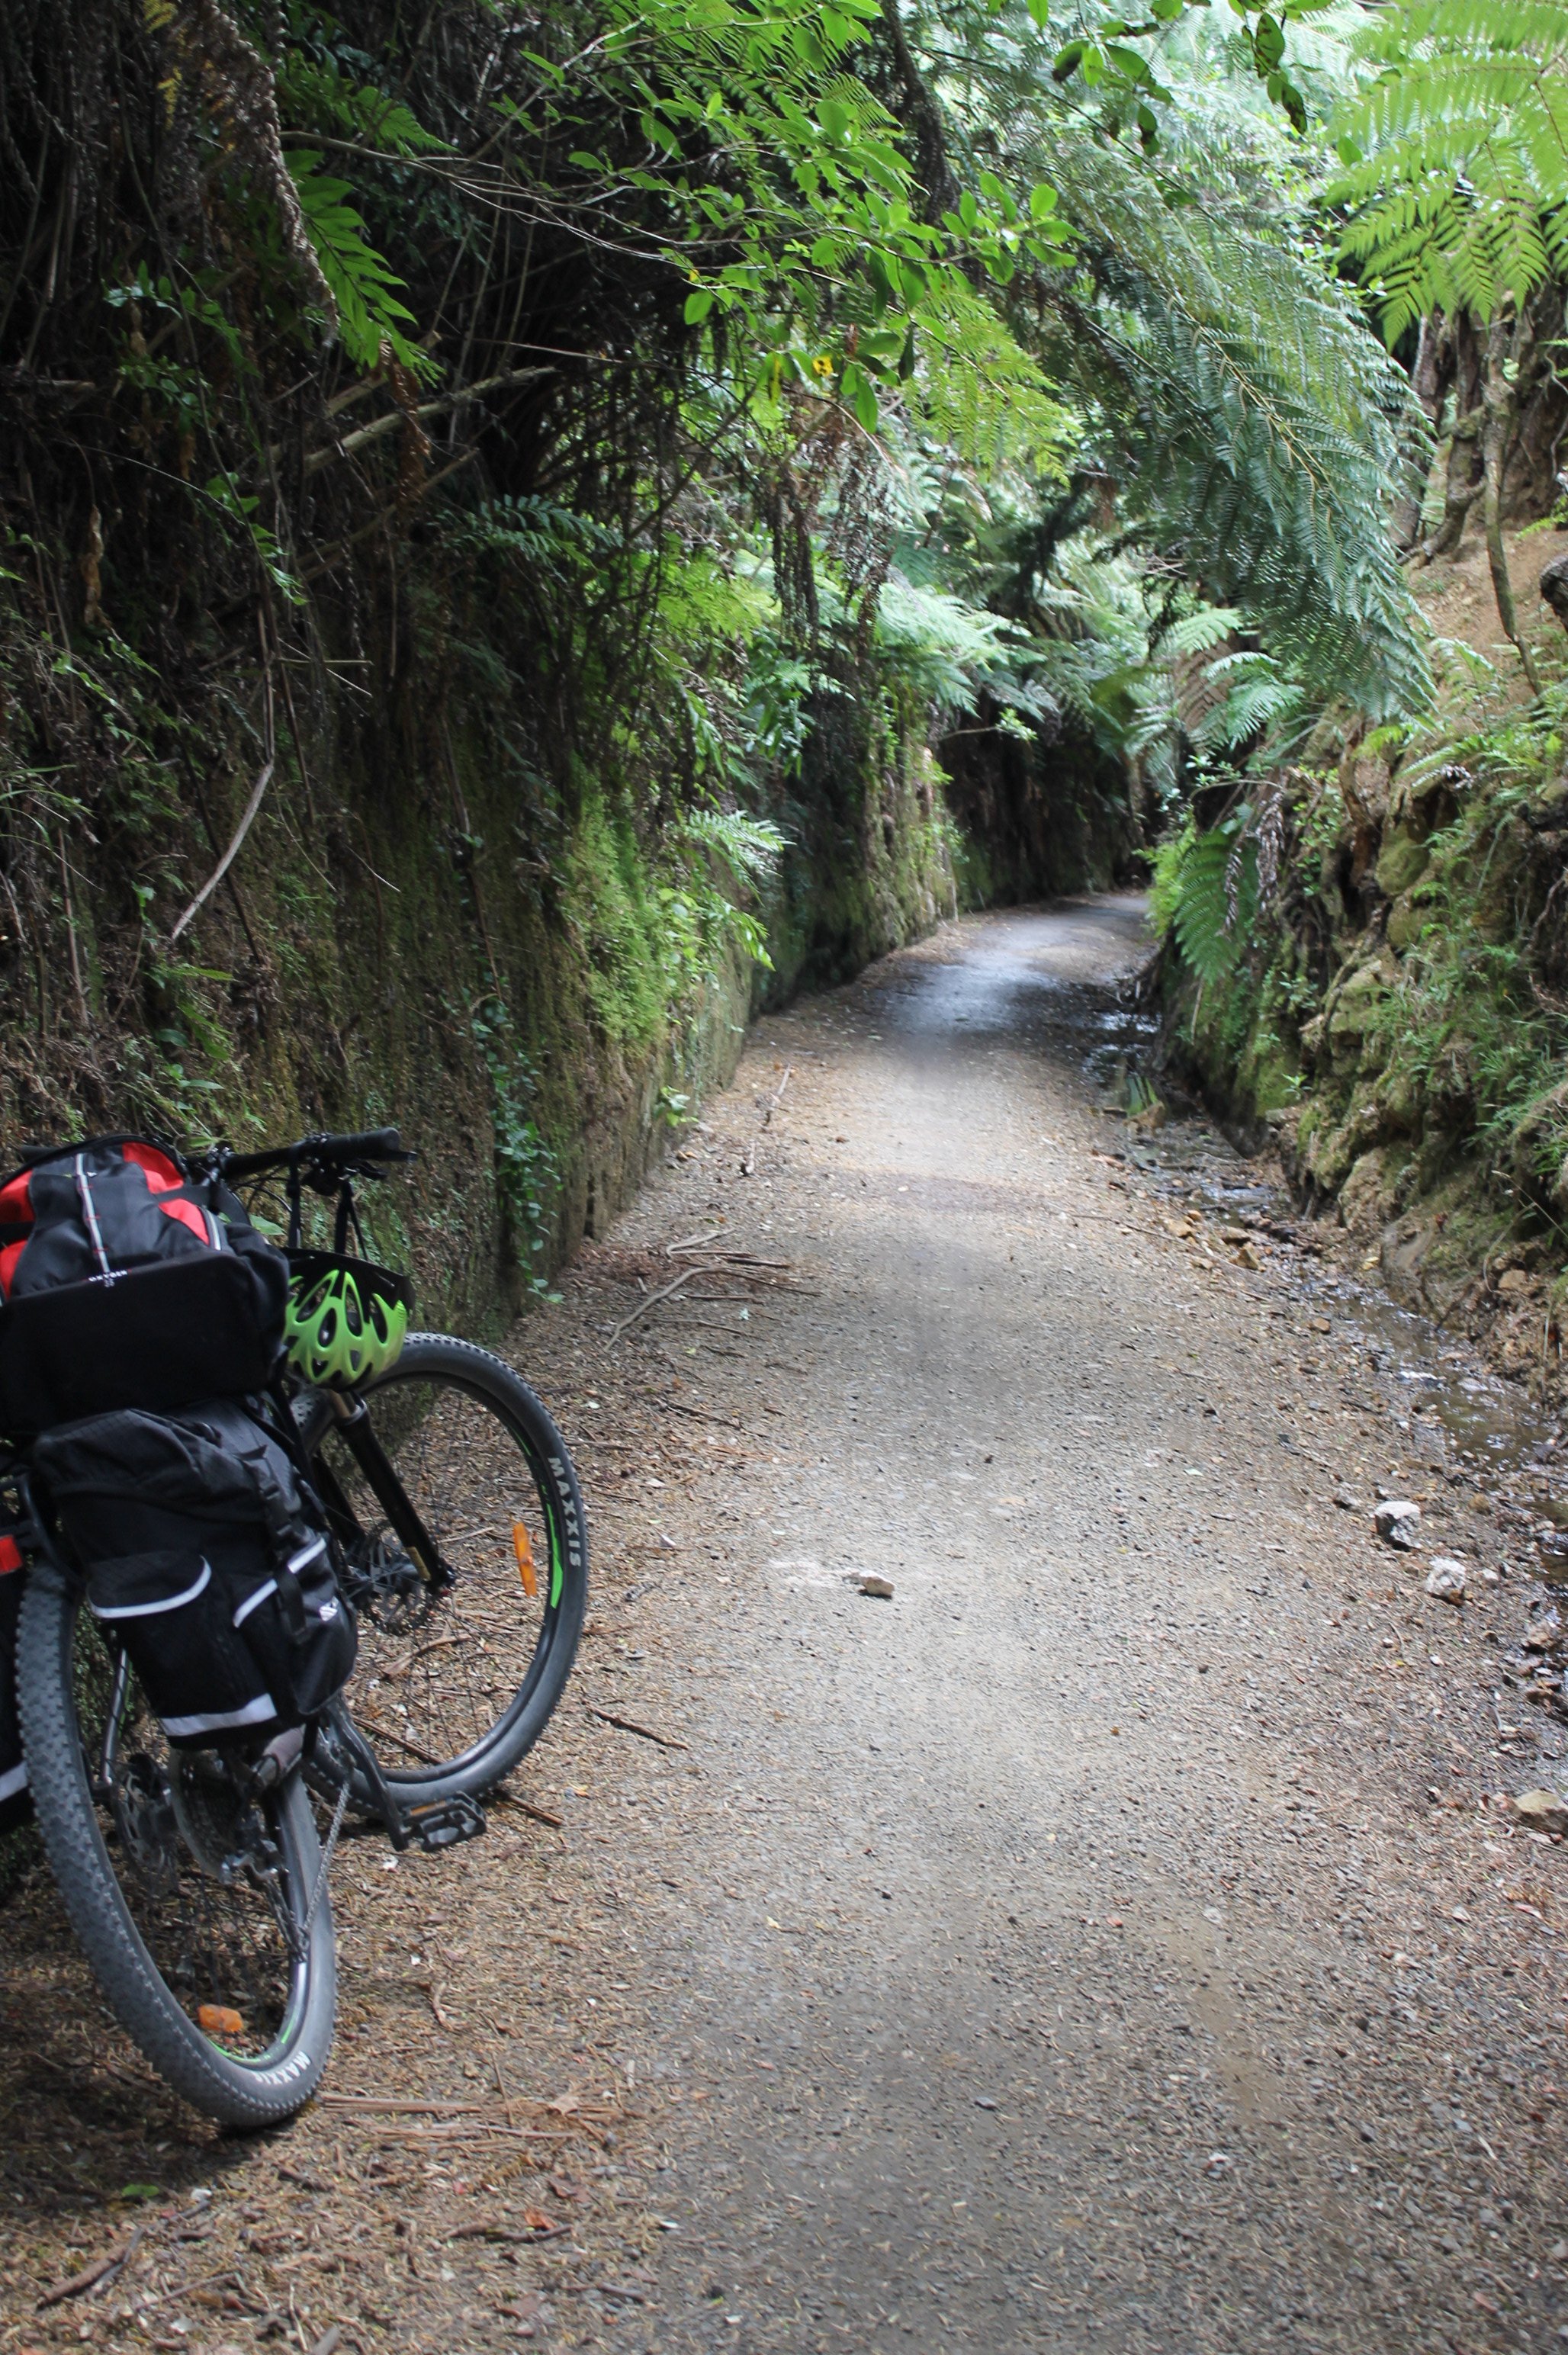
[(1447, 1580), (1397, 1521)]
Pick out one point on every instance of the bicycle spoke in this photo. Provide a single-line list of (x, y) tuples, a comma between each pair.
[(172, 1821), (438, 1680)]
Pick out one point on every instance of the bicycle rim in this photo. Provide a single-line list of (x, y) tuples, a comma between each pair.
[(213, 1883), (460, 1679)]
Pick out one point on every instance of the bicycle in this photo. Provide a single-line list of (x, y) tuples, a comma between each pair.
[(196, 1881)]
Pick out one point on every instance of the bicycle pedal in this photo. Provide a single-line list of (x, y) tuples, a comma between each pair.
[(445, 1822)]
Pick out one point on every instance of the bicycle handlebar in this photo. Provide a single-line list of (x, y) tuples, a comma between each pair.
[(323, 1151)]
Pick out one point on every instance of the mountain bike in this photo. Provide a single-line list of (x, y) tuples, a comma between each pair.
[(196, 1880)]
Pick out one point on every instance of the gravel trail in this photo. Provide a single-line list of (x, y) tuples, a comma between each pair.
[(1116, 1938), (1070, 1943)]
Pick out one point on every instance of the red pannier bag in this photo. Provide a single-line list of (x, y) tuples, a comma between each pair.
[(128, 1282)]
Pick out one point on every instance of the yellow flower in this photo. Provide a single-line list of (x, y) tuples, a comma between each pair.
[(823, 365)]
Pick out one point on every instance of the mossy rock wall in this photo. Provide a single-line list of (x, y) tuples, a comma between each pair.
[(1397, 1027), (449, 914)]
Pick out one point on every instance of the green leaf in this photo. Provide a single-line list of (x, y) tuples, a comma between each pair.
[(1268, 44), (1128, 62), (1041, 200), (856, 388), (697, 305), (835, 119), (1068, 61)]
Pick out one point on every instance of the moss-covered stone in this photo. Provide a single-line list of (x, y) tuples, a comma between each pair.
[(1401, 861)]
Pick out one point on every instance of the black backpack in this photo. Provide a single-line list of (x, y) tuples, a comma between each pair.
[(127, 1283), (203, 1560)]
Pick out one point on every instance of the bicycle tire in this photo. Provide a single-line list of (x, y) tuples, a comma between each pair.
[(249, 2093), (439, 1757)]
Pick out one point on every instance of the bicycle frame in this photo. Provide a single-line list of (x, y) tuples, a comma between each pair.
[(329, 1408)]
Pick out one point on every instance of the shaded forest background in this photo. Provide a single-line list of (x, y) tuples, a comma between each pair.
[(528, 532)]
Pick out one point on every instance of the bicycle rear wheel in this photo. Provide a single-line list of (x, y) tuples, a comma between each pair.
[(190, 1899), (458, 1674)]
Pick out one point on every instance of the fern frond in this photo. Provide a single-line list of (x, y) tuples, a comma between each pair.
[(1215, 898), (1457, 191)]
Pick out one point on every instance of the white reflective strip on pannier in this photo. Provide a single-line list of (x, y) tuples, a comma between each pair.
[(255, 1712), (254, 1601), (148, 1610), (13, 1779), (306, 1555)]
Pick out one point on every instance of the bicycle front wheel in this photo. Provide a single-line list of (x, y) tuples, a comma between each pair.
[(189, 1895), (463, 1657)]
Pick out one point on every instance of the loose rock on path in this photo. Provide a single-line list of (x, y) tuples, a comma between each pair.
[(1117, 1936)]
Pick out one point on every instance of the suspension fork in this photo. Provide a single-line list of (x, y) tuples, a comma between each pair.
[(359, 1437)]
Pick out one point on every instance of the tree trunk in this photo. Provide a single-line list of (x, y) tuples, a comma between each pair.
[(1511, 344), (1532, 486), (1457, 362), (1429, 381)]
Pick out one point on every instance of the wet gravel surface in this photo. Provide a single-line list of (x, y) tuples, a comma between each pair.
[(1118, 1937)]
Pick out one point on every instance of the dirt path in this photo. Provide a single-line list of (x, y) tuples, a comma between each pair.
[(1111, 1940)]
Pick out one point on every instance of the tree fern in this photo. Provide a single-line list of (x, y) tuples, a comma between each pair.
[(1254, 427), (1455, 156)]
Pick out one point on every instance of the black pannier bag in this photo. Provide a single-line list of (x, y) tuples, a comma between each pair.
[(203, 1562), (16, 1799), (126, 1283)]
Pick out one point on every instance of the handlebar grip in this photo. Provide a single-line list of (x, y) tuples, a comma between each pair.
[(362, 1144)]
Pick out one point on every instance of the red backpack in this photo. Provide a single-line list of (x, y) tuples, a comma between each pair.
[(127, 1281)]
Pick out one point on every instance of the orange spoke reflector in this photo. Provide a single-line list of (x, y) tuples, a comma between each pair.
[(217, 2019), (523, 1547)]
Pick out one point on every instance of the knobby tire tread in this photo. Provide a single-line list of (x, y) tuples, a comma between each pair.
[(125, 1970)]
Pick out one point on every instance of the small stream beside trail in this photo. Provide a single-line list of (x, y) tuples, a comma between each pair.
[(1474, 1424), (1483, 1434)]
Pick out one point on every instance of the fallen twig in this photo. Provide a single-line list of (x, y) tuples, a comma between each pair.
[(630, 1725), (505, 2233), (526, 1807), (703, 1414), (428, 1757), (414, 2105), (91, 2276), (393, 2106), (653, 1299)]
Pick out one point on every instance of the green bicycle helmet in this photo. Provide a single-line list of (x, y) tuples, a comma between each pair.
[(345, 1318)]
